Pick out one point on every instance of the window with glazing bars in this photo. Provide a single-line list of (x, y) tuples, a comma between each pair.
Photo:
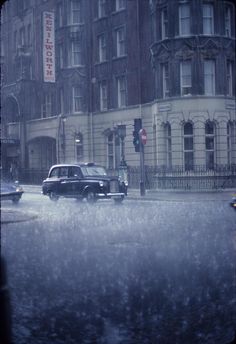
[(188, 147), (210, 145)]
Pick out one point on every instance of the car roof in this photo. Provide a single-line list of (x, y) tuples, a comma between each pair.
[(76, 164)]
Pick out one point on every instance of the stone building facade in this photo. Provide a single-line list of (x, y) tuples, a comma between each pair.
[(169, 62)]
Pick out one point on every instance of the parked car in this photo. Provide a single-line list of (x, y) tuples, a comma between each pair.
[(11, 191), (83, 181), (233, 202)]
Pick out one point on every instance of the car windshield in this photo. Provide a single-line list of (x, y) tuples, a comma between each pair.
[(93, 171)]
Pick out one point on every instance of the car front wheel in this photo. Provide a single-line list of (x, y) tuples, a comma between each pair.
[(90, 197), (53, 196)]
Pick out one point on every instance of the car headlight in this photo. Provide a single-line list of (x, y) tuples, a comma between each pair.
[(101, 183), (19, 189)]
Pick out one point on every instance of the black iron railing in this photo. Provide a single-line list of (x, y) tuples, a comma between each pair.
[(176, 177)]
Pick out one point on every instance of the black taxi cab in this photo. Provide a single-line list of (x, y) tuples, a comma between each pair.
[(83, 181)]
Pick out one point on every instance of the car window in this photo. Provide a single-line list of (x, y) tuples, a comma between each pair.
[(63, 171), (75, 172), (94, 171), (54, 173)]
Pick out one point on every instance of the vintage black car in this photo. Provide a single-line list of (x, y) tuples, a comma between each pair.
[(83, 181), (11, 191)]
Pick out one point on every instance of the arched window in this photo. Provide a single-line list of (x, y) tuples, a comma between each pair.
[(210, 144), (168, 145), (188, 146)]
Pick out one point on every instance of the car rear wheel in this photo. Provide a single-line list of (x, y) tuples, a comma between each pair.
[(15, 200), (53, 196), (119, 200), (90, 197)]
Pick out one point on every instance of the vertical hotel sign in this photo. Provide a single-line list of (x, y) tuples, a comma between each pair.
[(48, 47)]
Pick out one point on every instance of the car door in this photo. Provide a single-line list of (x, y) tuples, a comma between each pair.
[(64, 181), (75, 176)]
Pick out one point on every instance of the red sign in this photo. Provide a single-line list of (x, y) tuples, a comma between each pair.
[(143, 136), (48, 47)]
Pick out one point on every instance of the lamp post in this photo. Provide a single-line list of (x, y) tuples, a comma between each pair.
[(122, 171), (121, 131), (62, 137)]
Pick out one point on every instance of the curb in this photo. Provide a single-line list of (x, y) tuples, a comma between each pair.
[(171, 196)]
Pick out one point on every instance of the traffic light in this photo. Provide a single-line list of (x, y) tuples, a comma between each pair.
[(137, 127)]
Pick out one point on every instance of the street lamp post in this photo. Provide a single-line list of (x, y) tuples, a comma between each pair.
[(62, 137), (121, 130), (122, 172)]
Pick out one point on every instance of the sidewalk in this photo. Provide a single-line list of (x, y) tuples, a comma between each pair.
[(164, 195)]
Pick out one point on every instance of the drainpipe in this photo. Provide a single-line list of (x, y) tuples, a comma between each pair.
[(91, 136)]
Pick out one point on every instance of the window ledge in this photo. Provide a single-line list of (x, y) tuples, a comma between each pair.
[(97, 19), (100, 63), (72, 67), (119, 57), (118, 11)]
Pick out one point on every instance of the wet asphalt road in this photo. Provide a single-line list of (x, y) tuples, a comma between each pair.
[(141, 272)]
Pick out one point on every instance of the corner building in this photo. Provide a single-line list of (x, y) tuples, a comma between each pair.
[(170, 63)]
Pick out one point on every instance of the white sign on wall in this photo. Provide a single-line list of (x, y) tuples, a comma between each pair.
[(48, 47)]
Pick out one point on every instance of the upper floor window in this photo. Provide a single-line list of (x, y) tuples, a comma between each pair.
[(210, 144), (75, 12), (15, 40), (229, 77), (209, 77), (46, 110), (4, 13), (22, 37), (184, 19), (101, 8), (120, 5), (76, 54), (208, 19), (120, 42), (77, 98), (25, 4), (2, 48), (61, 61), (185, 78), (102, 47), (61, 101), (228, 11), (29, 34), (121, 91), (165, 80), (60, 15), (188, 146), (103, 95), (164, 24)]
